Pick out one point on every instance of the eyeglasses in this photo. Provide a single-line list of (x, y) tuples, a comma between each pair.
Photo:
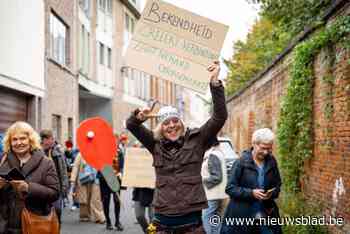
[(265, 149), (174, 120)]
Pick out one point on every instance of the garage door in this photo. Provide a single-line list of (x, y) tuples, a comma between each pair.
[(13, 107)]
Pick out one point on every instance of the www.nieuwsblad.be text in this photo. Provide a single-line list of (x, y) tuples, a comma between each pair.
[(216, 220)]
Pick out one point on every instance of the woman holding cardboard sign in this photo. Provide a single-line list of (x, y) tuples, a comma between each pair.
[(178, 154)]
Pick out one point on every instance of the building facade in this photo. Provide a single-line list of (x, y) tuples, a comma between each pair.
[(70, 66), (95, 21), (60, 103), (135, 89), (22, 83)]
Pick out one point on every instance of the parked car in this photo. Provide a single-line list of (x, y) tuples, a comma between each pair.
[(229, 151)]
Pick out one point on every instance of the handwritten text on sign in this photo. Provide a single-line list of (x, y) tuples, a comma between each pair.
[(175, 44)]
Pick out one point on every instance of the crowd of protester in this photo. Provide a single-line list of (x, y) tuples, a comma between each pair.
[(39, 175)]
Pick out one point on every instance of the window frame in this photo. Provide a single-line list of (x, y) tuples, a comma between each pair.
[(102, 5), (109, 57), (85, 5), (109, 7), (101, 53), (58, 49)]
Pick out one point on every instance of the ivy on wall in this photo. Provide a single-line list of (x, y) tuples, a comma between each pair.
[(295, 133)]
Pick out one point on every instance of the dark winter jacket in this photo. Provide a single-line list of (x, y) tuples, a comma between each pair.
[(243, 178), (43, 190), (58, 157), (179, 188)]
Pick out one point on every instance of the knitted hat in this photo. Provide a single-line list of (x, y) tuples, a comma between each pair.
[(167, 112)]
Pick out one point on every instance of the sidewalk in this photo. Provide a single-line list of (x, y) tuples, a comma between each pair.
[(71, 224)]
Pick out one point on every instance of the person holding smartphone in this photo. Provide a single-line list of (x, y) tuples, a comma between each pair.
[(253, 185), (32, 180)]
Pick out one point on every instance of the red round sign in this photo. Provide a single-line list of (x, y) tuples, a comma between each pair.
[(96, 142)]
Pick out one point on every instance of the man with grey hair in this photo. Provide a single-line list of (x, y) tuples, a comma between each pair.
[(254, 183)]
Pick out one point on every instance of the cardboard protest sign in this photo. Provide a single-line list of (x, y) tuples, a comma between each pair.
[(175, 44), (138, 169)]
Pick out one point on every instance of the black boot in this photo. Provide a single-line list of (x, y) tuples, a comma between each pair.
[(119, 226), (109, 226)]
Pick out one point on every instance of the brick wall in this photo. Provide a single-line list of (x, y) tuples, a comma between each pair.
[(61, 82), (328, 172)]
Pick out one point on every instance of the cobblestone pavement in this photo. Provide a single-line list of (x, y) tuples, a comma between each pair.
[(71, 224)]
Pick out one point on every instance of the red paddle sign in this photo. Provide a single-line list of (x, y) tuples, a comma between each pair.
[(96, 142)]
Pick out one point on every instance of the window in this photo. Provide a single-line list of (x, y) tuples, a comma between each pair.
[(132, 25), (82, 47), (105, 6), (132, 82), (124, 74), (136, 83), (129, 29), (109, 7), (147, 86), (85, 6), (70, 128), (144, 86), (101, 53), (56, 127), (58, 37), (84, 50), (87, 53), (129, 24), (102, 4), (109, 58), (127, 19)]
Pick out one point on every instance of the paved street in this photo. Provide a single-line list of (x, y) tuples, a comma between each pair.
[(71, 224)]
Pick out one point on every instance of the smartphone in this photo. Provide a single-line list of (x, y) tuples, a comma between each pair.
[(15, 174), (270, 190)]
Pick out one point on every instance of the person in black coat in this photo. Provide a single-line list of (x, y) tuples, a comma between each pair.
[(254, 183), (143, 198)]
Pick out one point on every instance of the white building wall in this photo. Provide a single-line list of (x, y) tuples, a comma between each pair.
[(22, 65)]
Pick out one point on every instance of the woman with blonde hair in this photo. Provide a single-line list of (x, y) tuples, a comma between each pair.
[(39, 187), (179, 196)]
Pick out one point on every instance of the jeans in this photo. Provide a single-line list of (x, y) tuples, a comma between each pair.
[(213, 210)]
